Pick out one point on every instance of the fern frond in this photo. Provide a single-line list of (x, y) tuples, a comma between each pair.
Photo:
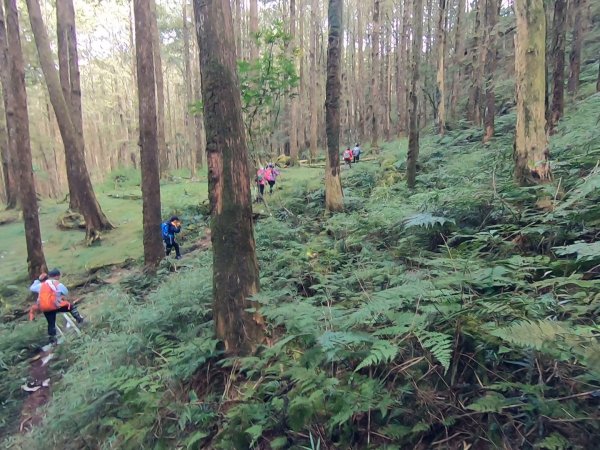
[(439, 344), (381, 352), (425, 220)]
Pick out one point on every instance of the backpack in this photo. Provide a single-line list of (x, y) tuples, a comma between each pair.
[(47, 296), (165, 230)]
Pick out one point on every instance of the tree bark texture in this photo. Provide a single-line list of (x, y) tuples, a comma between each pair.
[(459, 56), (189, 97), (160, 91), (149, 154), (558, 69), (235, 267), (253, 29), (334, 200), (314, 116), (413, 120), (531, 154), (83, 190), (491, 20), (374, 99), (36, 261), (579, 26), (474, 106), (440, 94), (294, 99), (68, 68), (9, 154)]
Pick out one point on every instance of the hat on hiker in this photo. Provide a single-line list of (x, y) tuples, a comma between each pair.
[(174, 218), (54, 273)]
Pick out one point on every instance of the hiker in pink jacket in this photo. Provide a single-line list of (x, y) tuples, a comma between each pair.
[(260, 183), (271, 174)]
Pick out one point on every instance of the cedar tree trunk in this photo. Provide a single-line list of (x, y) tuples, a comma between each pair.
[(531, 154), (334, 200), (235, 267), (491, 19), (35, 254), (153, 247), (413, 96), (558, 72), (9, 148), (375, 101)]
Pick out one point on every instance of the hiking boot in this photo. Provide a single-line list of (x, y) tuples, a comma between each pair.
[(178, 257), (52, 340)]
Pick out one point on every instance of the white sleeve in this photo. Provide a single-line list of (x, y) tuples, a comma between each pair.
[(62, 289), (36, 286)]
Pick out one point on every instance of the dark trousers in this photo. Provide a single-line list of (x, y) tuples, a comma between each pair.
[(261, 189), (170, 245), (51, 318), (356, 158), (271, 184)]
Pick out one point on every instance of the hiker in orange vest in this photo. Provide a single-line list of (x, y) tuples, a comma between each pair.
[(50, 301)]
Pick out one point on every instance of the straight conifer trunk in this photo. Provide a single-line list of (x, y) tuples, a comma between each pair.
[(558, 72), (160, 91), (294, 99), (334, 200), (440, 96), (149, 156), (413, 96), (235, 267), (491, 19), (531, 154), (374, 99), (9, 148), (80, 183), (579, 20), (459, 55), (36, 262), (314, 80)]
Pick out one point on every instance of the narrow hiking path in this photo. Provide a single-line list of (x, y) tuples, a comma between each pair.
[(40, 377)]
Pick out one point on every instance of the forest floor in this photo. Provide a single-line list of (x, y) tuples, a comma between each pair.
[(461, 314)]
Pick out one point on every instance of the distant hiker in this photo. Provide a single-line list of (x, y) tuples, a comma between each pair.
[(169, 229), (347, 155), (271, 174), (50, 301), (356, 151), (260, 183)]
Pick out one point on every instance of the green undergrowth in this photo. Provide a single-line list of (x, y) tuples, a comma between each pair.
[(463, 313)]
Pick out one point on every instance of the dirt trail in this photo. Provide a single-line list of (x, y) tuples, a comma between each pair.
[(31, 415), (38, 374)]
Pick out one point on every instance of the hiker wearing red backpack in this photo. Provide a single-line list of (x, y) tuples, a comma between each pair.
[(260, 183), (347, 155), (50, 301)]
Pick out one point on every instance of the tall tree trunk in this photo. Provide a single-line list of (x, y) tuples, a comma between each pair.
[(253, 30), (69, 76), (531, 154), (580, 18), (229, 183), (558, 72), (374, 105), (192, 144), (160, 91), (474, 109), (10, 156), (334, 200), (36, 262), (440, 95), (314, 116), (459, 55), (491, 20), (149, 156), (413, 121), (294, 99), (360, 93), (95, 219)]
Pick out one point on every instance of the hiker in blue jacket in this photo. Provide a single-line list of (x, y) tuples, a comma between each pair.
[(169, 229)]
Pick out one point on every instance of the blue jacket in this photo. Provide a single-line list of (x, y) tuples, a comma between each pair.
[(171, 232)]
